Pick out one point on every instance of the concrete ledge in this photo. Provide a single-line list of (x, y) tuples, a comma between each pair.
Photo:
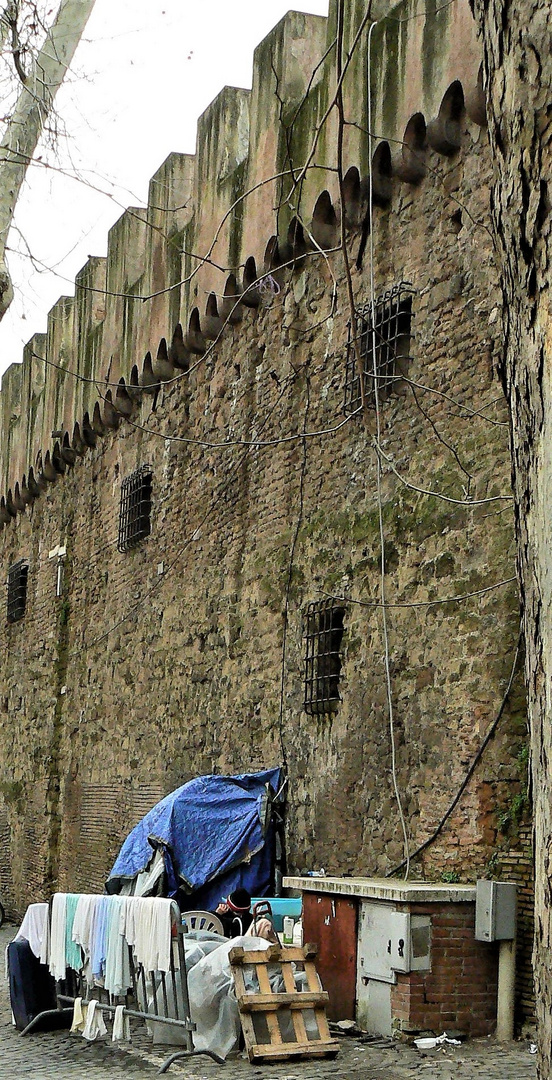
[(385, 889)]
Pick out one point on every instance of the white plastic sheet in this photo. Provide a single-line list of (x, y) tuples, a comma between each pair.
[(213, 1005)]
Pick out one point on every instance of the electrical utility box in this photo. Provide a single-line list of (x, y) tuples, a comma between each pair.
[(391, 941), (495, 911)]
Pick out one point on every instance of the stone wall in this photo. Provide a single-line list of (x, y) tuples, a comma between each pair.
[(186, 654)]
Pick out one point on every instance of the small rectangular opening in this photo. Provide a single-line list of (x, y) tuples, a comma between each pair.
[(135, 508), (383, 335), (17, 590), (323, 636)]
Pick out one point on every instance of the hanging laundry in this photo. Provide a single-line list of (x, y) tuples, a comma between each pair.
[(73, 952), (121, 1025), (57, 964), (94, 1025)]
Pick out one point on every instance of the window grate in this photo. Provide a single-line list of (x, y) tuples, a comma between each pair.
[(135, 509), (323, 635), (17, 590), (388, 336)]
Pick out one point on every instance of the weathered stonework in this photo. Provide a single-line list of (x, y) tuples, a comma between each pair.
[(167, 661)]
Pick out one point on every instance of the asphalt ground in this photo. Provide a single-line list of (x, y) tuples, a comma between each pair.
[(57, 1055)]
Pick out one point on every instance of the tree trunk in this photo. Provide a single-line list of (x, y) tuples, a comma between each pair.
[(518, 75), (32, 108)]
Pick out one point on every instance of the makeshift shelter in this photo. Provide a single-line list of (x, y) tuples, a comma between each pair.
[(204, 840)]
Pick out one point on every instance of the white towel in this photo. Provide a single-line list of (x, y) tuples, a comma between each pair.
[(121, 1025), (79, 1017), (57, 936), (149, 921), (33, 926), (94, 1025), (45, 947)]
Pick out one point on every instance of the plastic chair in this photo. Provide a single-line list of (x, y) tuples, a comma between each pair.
[(202, 920)]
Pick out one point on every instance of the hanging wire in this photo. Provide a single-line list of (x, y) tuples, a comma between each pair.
[(379, 469)]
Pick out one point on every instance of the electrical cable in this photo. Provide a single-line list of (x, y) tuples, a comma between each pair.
[(379, 466), (421, 603), (290, 576)]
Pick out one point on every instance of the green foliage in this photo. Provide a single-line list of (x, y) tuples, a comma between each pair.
[(450, 877), (518, 806), (515, 811)]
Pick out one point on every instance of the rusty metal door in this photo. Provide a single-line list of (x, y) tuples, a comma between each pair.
[(332, 923)]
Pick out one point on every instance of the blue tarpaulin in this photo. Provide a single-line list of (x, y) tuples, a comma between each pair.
[(215, 833)]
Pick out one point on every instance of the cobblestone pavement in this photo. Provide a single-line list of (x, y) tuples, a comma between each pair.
[(56, 1055)]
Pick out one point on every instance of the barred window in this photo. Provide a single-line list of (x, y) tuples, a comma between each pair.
[(135, 509), (17, 590), (383, 338), (323, 635)]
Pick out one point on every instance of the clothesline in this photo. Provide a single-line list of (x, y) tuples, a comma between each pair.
[(92, 934)]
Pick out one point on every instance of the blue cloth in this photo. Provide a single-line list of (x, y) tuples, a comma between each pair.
[(99, 946), (213, 827)]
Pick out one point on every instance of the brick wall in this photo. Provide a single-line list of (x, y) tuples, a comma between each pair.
[(460, 991)]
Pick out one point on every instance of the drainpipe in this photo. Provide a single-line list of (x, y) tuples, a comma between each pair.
[(506, 988)]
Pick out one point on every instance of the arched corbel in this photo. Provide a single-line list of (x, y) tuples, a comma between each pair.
[(123, 401), (476, 102), (212, 324), (409, 164), (88, 434), (110, 415), (18, 502), (230, 307), (178, 352), (97, 421), (272, 258), (49, 470), (34, 488), (57, 460), (323, 226), (39, 472), (26, 493), (296, 239), (194, 340), (251, 296), (148, 381), (5, 516), (77, 442), (163, 368), (381, 175), (352, 202), (133, 387), (68, 454), (444, 133)]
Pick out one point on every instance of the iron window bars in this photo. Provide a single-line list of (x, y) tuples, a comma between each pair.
[(323, 636), (135, 508), (17, 590), (387, 335)]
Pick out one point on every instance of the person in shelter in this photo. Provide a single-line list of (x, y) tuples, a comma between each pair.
[(236, 918)]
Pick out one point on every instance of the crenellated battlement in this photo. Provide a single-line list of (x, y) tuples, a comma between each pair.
[(180, 269)]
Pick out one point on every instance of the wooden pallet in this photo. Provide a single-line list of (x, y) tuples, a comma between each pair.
[(290, 1024)]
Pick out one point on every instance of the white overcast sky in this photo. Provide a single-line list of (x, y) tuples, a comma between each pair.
[(143, 73)]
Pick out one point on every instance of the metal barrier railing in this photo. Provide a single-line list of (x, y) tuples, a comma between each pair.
[(157, 997)]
